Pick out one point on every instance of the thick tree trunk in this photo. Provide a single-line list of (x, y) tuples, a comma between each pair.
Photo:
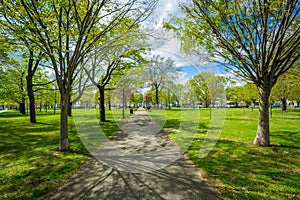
[(70, 108), (206, 104), (30, 94), (263, 131), (283, 104), (64, 141), (22, 107), (102, 103)]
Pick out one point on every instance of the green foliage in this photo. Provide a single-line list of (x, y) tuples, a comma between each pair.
[(159, 74), (207, 87), (12, 82), (287, 86), (254, 38), (247, 94)]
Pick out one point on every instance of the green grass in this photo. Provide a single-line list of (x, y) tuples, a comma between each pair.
[(239, 169), (31, 167)]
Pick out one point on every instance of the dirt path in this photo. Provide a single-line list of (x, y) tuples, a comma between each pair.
[(139, 162)]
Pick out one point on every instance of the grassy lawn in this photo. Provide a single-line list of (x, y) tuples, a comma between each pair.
[(237, 168), (31, 167)]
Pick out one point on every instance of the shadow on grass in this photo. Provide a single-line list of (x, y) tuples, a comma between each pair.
[(30, 163), (286, 139), (247, 172)]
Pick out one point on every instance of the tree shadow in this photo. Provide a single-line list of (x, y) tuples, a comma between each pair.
[(180, 180), (249, 172)]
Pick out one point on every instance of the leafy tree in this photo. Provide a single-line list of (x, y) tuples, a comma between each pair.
[(207, 87), (159, 72), (188, 95), (233, 94), (251, 93), (13, 84), (123, 52), (30, 53), (66, 31), (201, 90), (167, 95), (260, 40), (287, 88), (247, 94)]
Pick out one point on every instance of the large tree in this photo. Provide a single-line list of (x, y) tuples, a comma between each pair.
[(159, 72), (123, 51), (66, 31), (259, 39), (30, 53)]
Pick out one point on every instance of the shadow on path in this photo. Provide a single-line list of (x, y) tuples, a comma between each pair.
[(160, 169)]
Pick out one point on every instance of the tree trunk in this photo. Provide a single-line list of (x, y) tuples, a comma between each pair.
[(283, 104), (263, 131), (156, 97), (54, 107), (22, 106), (22, 103), (30, 94), (102, 102), (64, 141), (70, 108), (109, 104)]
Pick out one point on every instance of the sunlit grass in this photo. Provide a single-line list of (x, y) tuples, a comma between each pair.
[(241, 170), (31, 167)]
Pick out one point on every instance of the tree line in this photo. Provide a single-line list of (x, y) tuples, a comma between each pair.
[(63, 35)]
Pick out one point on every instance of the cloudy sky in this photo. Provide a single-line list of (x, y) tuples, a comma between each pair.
[(170, 46)]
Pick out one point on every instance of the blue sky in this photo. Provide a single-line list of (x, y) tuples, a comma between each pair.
[(168, 46)]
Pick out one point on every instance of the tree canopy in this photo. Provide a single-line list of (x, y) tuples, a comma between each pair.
[(259, 40)]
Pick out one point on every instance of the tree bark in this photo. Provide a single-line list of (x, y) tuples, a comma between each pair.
[(101, 104), (30, 94), (70, 108), (263, 131), (22, 106), (64, 141), (283, 104)]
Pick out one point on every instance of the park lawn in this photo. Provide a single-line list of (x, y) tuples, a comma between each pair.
[(31, 167), (239, 169)]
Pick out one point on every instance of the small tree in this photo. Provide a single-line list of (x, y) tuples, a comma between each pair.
[(286, 88)]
